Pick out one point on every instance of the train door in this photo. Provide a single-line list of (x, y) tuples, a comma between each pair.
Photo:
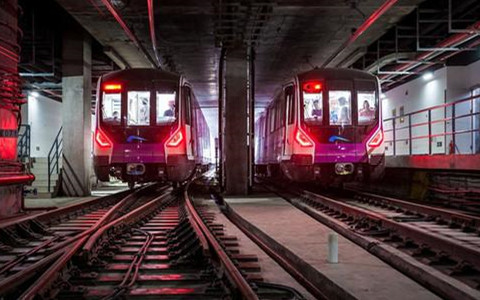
[(289, 122), (189, 136)]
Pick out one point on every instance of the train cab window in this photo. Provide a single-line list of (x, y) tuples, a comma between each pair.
[(340, 104), (138, 108), (166, 110), (313, 108), (111, 108), (367, 107)]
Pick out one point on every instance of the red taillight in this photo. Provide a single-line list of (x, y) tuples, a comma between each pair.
[(312, 87), (376, 140), (302, 138), (175, 139), (112, 87), (102, 140)]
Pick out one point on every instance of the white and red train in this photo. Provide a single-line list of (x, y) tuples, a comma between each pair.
[(324, 126), (149, 127)]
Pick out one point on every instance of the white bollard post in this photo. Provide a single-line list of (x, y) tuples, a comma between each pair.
[(332, 248)]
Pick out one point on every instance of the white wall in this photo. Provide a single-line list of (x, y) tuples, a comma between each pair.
[(45, 119), (448, 84)]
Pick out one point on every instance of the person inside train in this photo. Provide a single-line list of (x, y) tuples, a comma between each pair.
[(144, 111), (366, 112), (344, 117), (170, 112), (114, 119), (316, 110)]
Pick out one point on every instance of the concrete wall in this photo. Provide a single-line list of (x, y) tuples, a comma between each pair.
[(448, 84), (45, 119)]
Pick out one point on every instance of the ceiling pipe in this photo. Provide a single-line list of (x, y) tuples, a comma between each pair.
[(360, 30), (128, 31), (421, 67), (153, 37), (453, 40)]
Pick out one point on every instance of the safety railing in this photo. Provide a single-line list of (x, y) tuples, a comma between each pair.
[(23, 143), (54, 156), (450, 128)]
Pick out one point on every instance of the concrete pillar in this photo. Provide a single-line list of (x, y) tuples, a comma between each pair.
[(76, 109), (235, 143)]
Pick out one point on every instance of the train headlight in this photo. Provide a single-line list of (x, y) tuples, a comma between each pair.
[(302, 138), (376, 140), (102, 140)]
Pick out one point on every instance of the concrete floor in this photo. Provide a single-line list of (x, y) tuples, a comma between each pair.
[(360, 273), (270, 270)]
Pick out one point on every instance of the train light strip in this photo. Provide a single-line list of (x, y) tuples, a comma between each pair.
[(111, 87)]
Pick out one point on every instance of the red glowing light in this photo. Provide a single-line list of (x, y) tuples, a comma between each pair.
[(312, 87), (112, 87), (376, 140), (102, 140), (302, 138), (175, 139)]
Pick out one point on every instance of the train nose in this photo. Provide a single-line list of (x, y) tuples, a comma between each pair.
[(344, 168)]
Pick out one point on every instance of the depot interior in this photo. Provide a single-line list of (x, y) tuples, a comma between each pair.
[(425, 53)]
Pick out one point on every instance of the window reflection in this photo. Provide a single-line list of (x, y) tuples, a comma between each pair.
[(340, 107), (138, 108), (111, 108), (166, 110), (366, 107), (313, 107)]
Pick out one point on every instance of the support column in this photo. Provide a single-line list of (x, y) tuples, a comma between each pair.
[(235, 144), (76, 110)]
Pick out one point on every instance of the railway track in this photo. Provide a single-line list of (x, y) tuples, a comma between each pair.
[(438, 248), (31, 244), (157, 244)]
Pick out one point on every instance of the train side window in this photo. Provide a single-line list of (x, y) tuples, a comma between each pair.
[(138, 108), (271, 115), (367, 107), (166, 110), (188, 106), (290, 104), (340, 104), (111, 108)]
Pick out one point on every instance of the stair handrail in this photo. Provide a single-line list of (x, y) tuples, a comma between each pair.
[(54, 155), (23, 145)]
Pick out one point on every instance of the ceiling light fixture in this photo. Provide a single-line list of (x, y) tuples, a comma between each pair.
[(427, 76)]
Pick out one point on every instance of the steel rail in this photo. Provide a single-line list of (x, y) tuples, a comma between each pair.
[(58, 249), (231, 270), (314, 281), (63, 211), (460, 252), (51, 274), (436, 281), (436, 212)]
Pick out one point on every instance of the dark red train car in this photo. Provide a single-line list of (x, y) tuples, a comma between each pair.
[(325, 126), (149, 127)]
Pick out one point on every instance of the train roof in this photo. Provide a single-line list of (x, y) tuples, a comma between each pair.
[(335, 73), (141, 74)]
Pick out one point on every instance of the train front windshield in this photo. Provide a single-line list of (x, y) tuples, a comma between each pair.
[(340, 103), (142, 107)]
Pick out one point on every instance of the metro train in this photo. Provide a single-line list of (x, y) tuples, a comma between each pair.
[(149, 127), (324, 126)]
